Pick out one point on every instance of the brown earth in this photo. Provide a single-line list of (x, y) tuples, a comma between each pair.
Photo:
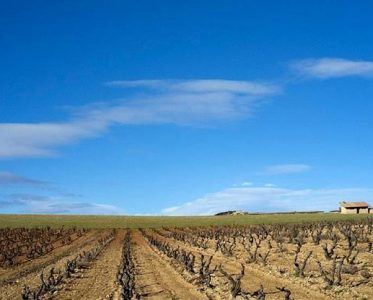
[(28, 266), (98, 281), (160, 277), (254, 277), (13, 280), (303, 288), (156, 279), (21, 259)]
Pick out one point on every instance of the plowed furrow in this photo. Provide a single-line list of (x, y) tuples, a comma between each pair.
[(156, 278), (98, 281), (253, 277), (11, 288)]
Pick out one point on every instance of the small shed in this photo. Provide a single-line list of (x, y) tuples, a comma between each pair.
[(355, 208)]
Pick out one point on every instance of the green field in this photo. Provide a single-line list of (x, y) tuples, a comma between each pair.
[(156, 222)]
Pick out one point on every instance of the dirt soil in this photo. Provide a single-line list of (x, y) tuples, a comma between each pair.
[(254, 277), (98, 281), (156, 278), (15, 279), (160, 277)]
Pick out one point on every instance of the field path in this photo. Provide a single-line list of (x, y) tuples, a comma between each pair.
[(98, 281), (156, 278)]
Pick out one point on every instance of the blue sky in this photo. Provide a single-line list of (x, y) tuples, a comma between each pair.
[(143, 107)]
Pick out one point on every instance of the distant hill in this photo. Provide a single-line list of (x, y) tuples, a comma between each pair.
[(232, 213)]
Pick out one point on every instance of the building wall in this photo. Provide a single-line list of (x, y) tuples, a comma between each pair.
[(345, 210)]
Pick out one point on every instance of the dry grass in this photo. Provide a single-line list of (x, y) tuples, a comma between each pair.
[(160, 221)]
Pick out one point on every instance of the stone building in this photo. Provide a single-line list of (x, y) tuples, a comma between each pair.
[(355, 208)]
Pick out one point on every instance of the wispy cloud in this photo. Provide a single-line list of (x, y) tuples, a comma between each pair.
[(202, 86), (8, 178), (81, 208), (268, 199), (324, 68), (178, 102), (40, 204), (286, 169), (30, 140), (35, 196)]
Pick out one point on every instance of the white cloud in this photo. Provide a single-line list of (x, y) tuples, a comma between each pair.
[(40, 204), (247, 183), (18, 140), (268, 199), (333, 67), (147, 83), (8, 178), (190, 102), (287, 169), (81, 208), (202, 86)]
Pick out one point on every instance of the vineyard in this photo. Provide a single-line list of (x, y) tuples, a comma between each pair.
[(318, 260)]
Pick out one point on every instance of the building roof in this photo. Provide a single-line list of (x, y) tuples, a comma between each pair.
[(354, 204)]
